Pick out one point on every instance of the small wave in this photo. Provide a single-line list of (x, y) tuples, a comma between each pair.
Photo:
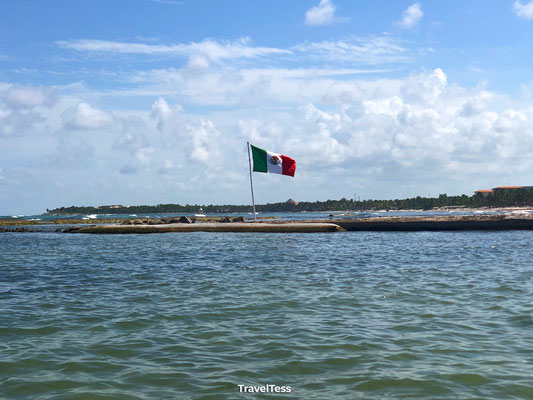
[(133, 215), (90, 216)]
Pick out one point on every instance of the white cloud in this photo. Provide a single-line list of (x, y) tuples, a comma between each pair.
[(209, 48), (414, 131), (244, 85), (131, 142), (83, 116), (417, 123), (136, 149), (322, 14), (144, 155), (162, 112), (523, 10), (160, 109), (310, 73), (424, 87), (18, 123), (208, 54), (28, 97), (361, 50), (197, 65), (168, 168), (411, 16), (203, 139), (23, 109)]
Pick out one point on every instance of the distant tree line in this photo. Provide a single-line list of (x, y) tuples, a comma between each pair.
[(503, 198)]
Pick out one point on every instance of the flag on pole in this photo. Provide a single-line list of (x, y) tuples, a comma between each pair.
[(267, 161)]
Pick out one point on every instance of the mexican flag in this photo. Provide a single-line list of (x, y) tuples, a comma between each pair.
[(266, 161)]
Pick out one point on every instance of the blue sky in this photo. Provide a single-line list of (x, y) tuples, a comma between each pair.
[(147, 102)]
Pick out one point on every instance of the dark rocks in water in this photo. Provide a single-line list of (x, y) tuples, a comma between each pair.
[(173, 220), (137, 222), (3, 230), (20, 230), (72, 228), (127, 222), (185, 220), (58, 230), (225, 220), (239, 219)]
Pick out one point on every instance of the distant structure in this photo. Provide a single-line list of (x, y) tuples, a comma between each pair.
[(291, 201), (499, 189), (111, 206)]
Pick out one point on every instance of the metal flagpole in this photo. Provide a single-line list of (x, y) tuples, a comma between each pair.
[(251, 181)]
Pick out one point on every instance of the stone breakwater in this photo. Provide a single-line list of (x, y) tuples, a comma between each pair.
[(239, 224), (288, 227), (443, 223)]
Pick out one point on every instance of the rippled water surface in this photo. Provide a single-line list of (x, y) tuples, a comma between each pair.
[(335, 316)]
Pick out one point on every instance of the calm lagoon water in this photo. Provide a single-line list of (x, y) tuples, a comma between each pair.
[(349, 315)]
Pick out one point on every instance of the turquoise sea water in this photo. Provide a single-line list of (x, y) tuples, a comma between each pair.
[(369, 315)]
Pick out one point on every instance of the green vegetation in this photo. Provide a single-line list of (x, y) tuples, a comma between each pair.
[(504, 198)]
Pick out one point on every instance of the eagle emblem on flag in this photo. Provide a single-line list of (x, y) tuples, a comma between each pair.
[(274, 160)]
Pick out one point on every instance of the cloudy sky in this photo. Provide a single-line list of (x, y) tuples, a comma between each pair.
[(152, 101)]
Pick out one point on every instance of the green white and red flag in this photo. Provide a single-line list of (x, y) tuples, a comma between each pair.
[(267, 161)]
